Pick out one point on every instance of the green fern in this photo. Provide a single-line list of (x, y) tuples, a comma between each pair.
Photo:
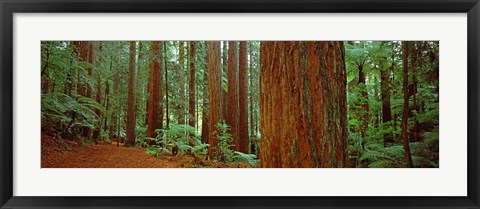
[(251, 159)]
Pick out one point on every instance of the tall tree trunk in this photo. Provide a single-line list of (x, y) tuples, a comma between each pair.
[(225, 69), (76, 54), (91, 73), (138, 90), (83, 57), (154, 120), (242, 99), (215, 95), (116, 108), (386, 109), (252, 125), (191, 92), (167, 116), (161, 62), (130, 132), (107, 98), (98, 97), (415, 132), (205, 128), (406, 144), (181, 81), (232, 95), (303, 104), (364, 112)]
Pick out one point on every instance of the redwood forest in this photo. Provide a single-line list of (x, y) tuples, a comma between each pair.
[(240, 104)]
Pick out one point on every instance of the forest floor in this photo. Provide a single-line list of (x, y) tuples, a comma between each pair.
[(72, 154)]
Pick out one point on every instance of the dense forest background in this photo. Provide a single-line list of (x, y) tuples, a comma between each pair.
[(240, 104)]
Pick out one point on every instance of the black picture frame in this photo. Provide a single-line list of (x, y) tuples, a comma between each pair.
[(9, 7)]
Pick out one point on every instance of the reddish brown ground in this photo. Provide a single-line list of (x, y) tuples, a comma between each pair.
[(72, 154)]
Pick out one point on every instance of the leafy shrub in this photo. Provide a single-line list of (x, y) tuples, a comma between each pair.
[(241, 157), (423, 155), (64, 114), (224, 151), (177, 139), (225, 141), (140, 134)]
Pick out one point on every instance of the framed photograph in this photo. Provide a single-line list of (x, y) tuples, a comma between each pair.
[(238, 104)]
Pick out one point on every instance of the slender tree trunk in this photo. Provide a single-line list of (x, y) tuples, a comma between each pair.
[(205, 128), (161, 61), (167, 116), (406, 144), (386, 109), (191, 92), (138, 90), (130, 132), (116, 107), (215, 95), (70, 80), (98, 97), (232, 95), (303, 104), (107, 98), (181, 81), (252, 125), (154, 96), (83, 57), (76, 54), (91, 73), (364, 112), (415, 132), (225, 69), (242, 99)]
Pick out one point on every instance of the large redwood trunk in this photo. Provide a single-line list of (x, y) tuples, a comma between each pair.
[(154, 118), (130, 132), (303, 104), (215, 95), (232, 95), (191, 92), (242, 100), (406, 96)]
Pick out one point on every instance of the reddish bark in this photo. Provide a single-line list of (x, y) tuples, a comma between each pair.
[(191, 92), (303, 104), (215, 95), (205, 98), (232, 95), (242, 100), (225, 72), (154, 119)]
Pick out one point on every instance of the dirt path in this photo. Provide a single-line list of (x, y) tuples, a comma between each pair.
[(103, 156)]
